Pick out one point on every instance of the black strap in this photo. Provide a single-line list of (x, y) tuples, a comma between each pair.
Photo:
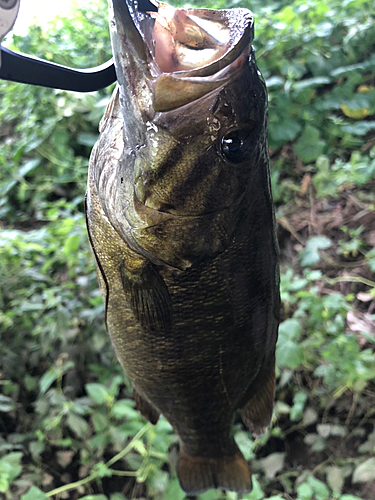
[(26, 69), (146, 6)]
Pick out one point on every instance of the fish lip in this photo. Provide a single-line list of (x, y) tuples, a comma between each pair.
[(131, 34)]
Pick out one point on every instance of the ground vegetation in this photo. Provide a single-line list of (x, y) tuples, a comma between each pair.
[(68, 426)]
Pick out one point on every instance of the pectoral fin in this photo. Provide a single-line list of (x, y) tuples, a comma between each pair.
[(256, 411), (148, 296)]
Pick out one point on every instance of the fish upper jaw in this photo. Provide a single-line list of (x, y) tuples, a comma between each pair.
[(168, 59)]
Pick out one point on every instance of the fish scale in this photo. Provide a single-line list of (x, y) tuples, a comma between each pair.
[(181, 223)]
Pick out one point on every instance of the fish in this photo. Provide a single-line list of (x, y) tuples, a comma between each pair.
[(181, 223)]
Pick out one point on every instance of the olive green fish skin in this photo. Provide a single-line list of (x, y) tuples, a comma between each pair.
[(187, 258)]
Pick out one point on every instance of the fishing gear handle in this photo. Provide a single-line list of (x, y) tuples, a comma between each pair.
[(22, 68)]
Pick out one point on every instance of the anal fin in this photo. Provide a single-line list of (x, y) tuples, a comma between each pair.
[(145, 408), (256, 411), (198, 474)]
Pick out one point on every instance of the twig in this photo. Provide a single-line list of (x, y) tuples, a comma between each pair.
[(73, 486), (350, 279), (126, 450), (96, 474)]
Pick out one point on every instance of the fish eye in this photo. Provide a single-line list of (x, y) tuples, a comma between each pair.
[(237, 143)]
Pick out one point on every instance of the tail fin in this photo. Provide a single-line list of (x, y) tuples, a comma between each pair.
[(197, 474)]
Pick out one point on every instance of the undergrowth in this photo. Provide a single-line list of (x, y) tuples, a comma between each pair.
[(68, 426)]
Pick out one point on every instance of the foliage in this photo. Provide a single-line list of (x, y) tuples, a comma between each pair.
[(58, 128), (68, 424)]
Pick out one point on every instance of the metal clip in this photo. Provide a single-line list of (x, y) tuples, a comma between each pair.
[(8, 15)]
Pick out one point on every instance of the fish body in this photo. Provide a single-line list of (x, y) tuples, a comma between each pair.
[(181, 223)]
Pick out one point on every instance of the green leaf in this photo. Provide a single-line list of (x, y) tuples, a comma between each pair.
[(6, 187), (158, 480), (77, 424), (97, 392), (209, 495), (100, 421), (320, 489), (94, 497), (34, 493), (311, 82), (350, 497), (289, 352), (174, 491), (272, 464), (335, 478), (47, 379), (369, 445), (356, 114), (359, 128), (256, 493), (310, 255), (365, 471), (36, 449), (245, 444), (305, 491), (284, 130), (6, 404), (345, 70), (71, 244), (4, 484), (124, 409), (10, 468), (274, 81), (118, 496), (28, 167), (299, 402), (290, 329), (309, 146)]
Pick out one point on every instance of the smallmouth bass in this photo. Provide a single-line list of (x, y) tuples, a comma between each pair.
[(181, 223)]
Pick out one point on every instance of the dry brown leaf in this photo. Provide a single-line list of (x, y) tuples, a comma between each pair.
[(47, 479), (370, 238), (306, 181), (364, 297), (64, 458), (272, 464), (360, 323)]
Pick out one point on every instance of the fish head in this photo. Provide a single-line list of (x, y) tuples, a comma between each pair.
[(194, 110)]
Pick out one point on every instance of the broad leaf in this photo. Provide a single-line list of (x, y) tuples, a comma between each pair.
[(309, 146)]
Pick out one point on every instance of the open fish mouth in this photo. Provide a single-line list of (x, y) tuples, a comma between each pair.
[(183, 54), (190, 40), (186, 79)]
